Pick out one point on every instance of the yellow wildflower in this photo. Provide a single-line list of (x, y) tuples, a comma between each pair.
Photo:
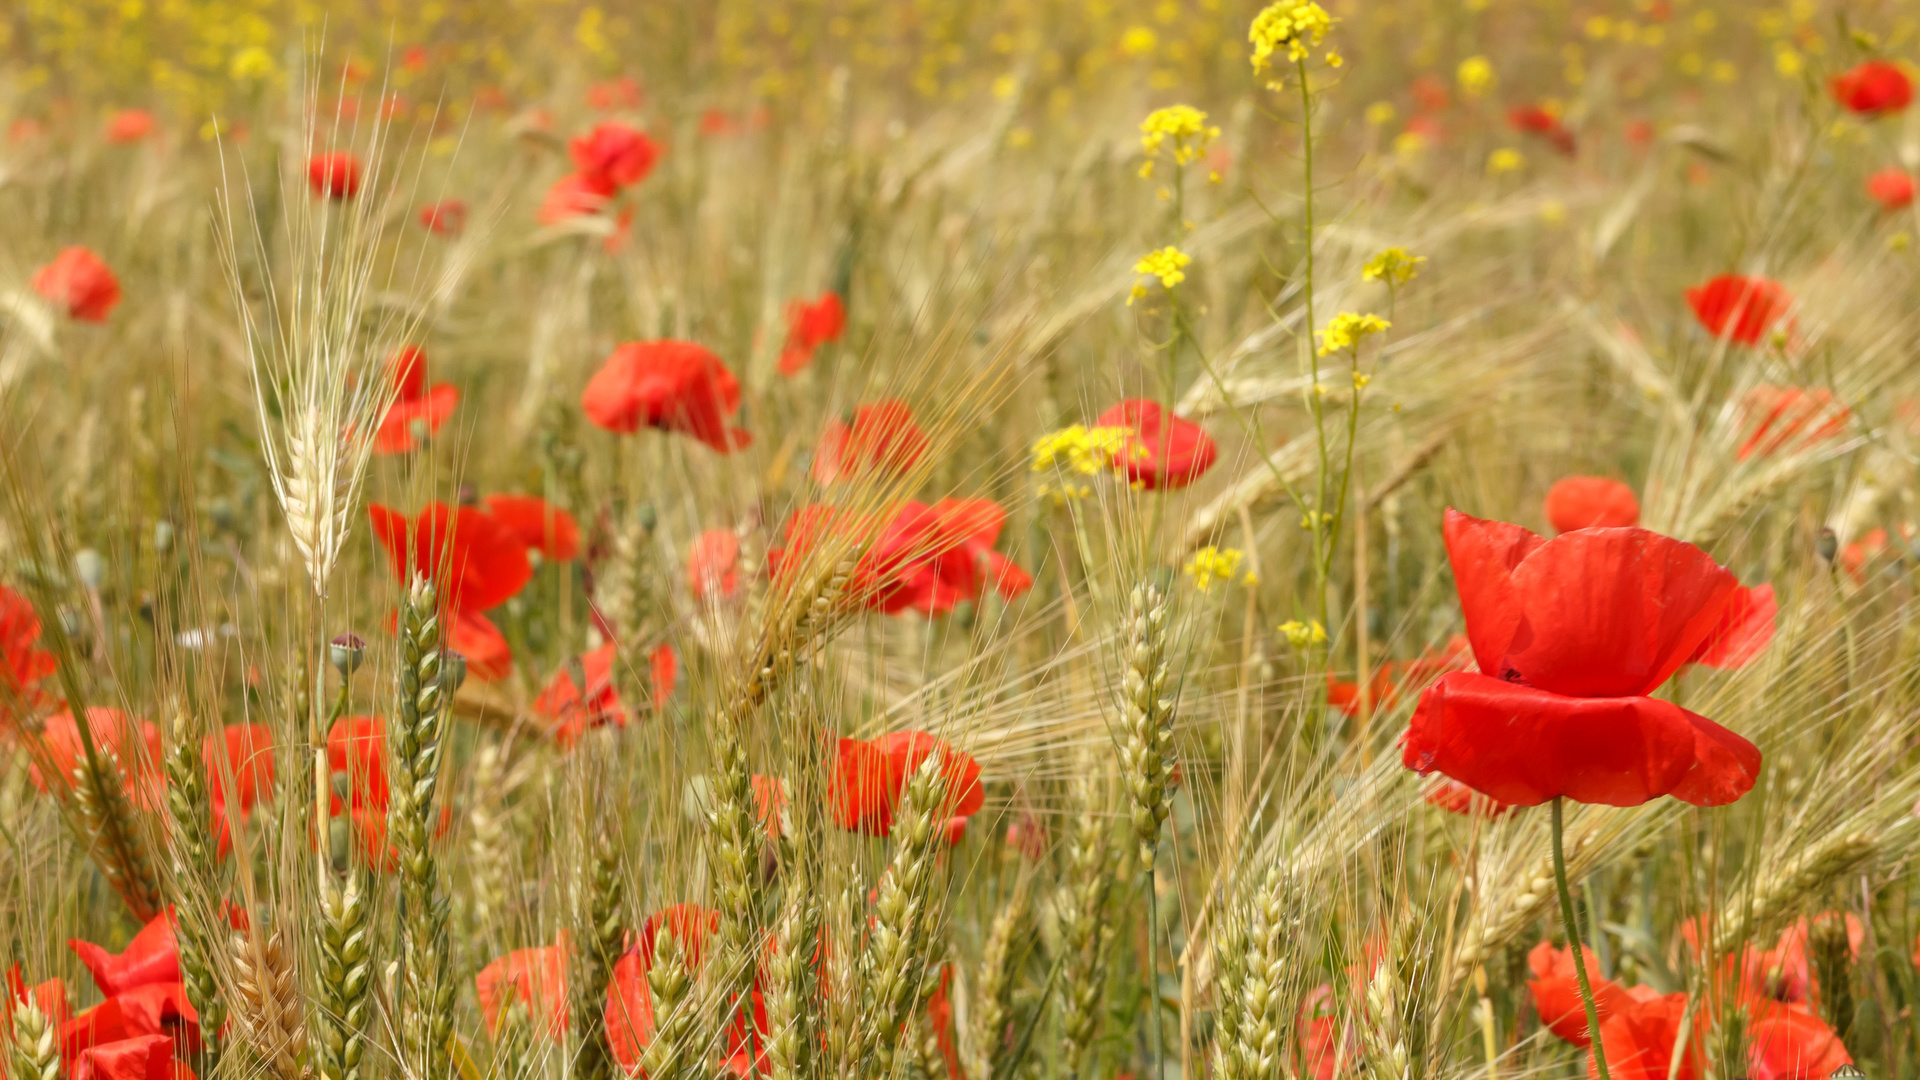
[(1079, 448), (1302, 634), (1395, 265), (1475, 76), (1168, 264), (1346, 329), (1360, 381), (1381, 113), (1505, 160), (1182, 125), (1139, 41), (1211, 564), (1300, 25)]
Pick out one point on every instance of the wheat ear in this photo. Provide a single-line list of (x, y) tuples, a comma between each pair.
[(626, 597), (414, 743), (1146, 753), (600, 936), (346, 974), (268, 1013), (33, 1049), (895, 960), (793, 971), (1084, 929), (999, 962), (733, 836), (190, 820), (1262, 1016), (671, 982)]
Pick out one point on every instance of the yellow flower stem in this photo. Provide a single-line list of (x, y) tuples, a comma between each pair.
[(1321, 547)]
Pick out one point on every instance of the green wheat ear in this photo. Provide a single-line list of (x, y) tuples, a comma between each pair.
[(414, 743)]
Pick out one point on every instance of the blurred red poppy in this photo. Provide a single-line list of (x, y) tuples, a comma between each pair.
[(1591, 502), (23, 663), (334, 175), (613, 154), (448, 217), (537, 978), (577, 700), (940, 1018), (1457, 798), (1164, 451), (572, 196), (1556, 993), (414, 58), (1741, 309), (540, 525), (138, 761), (716, 122), (247, 750), (129, 126), (1640, 1037), (1571, 634), (620, 93), (1856, 555), (153, 956), (1872, 88), (80, 282), (881, 437), (1743, 632), (1535, 120), (770, 804), (629, 1019), (927, 558), (1891, 187), (1788, 417), (670, 385), (1317, 1035), (357, 758), (1786, 1043), (1430, 94), (477, 564), (417, 410), (811, 324), (1397, 678), (869, 779), (713, 565)]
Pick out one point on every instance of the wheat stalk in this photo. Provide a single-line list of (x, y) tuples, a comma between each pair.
[(268, 999), (190, 820), (598, 941), (671, 982), (1146, 717), (1084, 929), (33, 1049), (414, 742), (999, 963), (895, 963)]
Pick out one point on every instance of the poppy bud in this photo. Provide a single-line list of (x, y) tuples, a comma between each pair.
[(91, 568), (337, 843), (453, 671), (649, 517), (1827, 545), (345, 653)]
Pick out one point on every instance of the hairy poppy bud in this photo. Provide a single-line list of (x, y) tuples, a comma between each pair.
[(345, 653), (1827, 545), (453, 671)]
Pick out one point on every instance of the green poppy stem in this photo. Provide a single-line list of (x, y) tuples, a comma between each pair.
[(1573, 943)]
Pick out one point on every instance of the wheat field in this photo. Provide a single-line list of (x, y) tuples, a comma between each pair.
[(952, 540)]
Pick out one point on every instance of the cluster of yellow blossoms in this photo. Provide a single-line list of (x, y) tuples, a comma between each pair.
[(1184, 126), (1211, 565), (1300, 25), (1347, 328), (1395, 266)]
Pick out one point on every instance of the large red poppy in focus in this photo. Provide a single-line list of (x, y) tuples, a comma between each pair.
[(1740, 309), (670, 385), (1163, 451), (1571, 635), (478, 564)]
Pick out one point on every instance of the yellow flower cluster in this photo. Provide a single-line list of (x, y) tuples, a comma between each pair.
[(1302, 634), (1346, 329), (1505, 160), (1184, 126), (1168, 264), (1395, 266), (1298, 24), (1475, 75), (1211, 564), (1079, 448)]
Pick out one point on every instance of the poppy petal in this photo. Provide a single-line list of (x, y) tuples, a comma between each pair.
[(1743, 632), (1483, 555)]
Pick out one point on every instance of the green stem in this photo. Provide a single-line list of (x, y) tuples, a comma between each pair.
[(1153, 977), (1573, 942), (1319, 517)]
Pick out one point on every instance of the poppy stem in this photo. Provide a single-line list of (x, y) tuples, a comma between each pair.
[(1573, 942), (1153, 976)]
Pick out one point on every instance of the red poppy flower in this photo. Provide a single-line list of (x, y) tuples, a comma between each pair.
[(1856, 555), (629, 1015), (716, 122), (79, 281), (448, 217), (670, 385), (357, 758), (1784, 973), (770, 804), (869, 779), (1872, 88), (620, 93), (880, 438), (613, 154), (1743, 631), (539, 525), (809, 326), (478, 564), (334, 175), (1571, 634), (1591, 502), (142, 1057), (23, 663), (1556, 992), (1784, 415), (572, 196), (1741, 309), (1430, 94), (153, 956), (535, 977), (129, 126), (1163, 451), (50, 996), (248, 749), (1317, 1032), (1891, 187), (1785, 1043), (417, 410), (1639, 1039), (139, 762), (1535, 120), (940, 1018), (148, 1009), (1397, 678), (945, 555), (572, 708), (713, 565)]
